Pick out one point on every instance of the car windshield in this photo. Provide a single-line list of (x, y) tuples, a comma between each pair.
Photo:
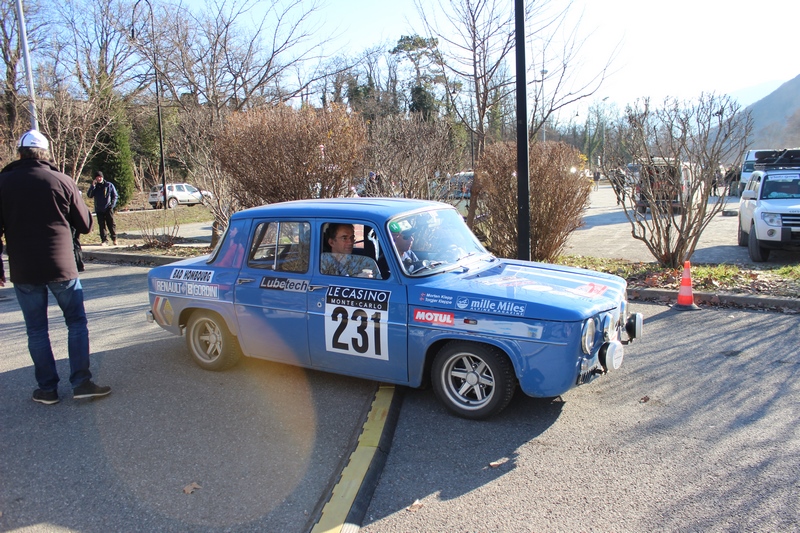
[(434, 241), (781, 188)]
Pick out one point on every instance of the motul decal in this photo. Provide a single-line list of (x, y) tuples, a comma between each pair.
[(438, 318)]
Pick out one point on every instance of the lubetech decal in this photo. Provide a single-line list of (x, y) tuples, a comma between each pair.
[(284, 284)]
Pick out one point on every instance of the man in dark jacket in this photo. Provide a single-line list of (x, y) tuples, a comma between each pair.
[(105, 201), (39, 207)]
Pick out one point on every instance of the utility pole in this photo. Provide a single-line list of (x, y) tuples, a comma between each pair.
[(23, 39)]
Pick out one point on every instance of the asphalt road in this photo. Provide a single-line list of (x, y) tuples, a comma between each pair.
[(263, 442), (697, 431)]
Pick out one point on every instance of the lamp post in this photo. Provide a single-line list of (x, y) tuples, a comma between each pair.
[(161, 171), (23, 39)]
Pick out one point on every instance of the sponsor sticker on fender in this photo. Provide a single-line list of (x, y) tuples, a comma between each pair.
[(437, 318), (284, 284), (190, 274)]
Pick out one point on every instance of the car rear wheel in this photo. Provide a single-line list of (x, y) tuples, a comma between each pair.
[(741, 235), (210, 343), (172, 202), (758, 253), (473, 380)]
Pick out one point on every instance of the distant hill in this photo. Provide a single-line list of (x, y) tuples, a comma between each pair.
[(776, 118)]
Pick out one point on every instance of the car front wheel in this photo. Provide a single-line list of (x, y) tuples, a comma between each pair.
[(472, 380), (758, 253), (210, 343)]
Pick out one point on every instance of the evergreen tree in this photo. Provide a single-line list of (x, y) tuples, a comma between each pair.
[(116, 162)]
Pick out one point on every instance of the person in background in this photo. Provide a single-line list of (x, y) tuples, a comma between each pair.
[(39, 207), (105, 201)]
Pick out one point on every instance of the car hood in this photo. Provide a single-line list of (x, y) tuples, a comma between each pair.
[(516, 288), (788, 205)]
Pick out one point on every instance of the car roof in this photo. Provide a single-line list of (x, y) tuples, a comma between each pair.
[(374, 208)]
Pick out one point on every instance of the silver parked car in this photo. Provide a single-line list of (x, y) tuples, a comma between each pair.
[(178, 193)]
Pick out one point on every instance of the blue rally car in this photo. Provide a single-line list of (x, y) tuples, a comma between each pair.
[(398, 291)]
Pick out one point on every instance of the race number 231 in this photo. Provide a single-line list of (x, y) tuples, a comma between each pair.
[(357, 330)]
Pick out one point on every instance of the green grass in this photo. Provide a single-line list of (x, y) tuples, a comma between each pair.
[(134, 221)]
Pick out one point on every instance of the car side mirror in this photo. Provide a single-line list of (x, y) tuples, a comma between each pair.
[(748, 195)]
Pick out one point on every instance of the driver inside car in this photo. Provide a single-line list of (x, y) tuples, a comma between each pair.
[(403, 239), (340, 261)]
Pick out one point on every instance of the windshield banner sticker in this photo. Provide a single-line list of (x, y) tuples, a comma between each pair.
[(356, 321)]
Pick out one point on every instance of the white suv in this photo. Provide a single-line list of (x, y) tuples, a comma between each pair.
[(769, 209), (178, 193)]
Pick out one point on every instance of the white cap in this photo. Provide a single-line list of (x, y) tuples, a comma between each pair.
[(33, 139)]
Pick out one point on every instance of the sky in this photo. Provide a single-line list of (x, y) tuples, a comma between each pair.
[(665, 49)]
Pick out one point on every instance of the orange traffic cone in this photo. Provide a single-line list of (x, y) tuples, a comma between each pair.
[(685, 295)]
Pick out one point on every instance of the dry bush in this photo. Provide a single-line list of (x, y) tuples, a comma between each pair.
[(159, 227), (413, 157), (558, 198), (280, 154)]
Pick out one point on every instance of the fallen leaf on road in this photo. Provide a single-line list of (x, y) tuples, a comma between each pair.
[(644, 399), (191, 487), (495, 464), (414, 506)]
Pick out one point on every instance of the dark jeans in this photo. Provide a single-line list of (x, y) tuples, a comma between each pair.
[(33, 301), (106, 218)]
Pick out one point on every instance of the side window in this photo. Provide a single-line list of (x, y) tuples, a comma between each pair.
[(190, 188), (232, 249), (349, 250), (179, 188), (281, 246)]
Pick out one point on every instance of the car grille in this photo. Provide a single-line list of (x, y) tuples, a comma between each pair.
[(790, 221)]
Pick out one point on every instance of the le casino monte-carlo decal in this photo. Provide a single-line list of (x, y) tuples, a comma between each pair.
[(356, 321)]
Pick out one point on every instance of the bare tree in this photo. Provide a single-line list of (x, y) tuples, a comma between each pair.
[(473, 52), (89, 65), (663, 161)]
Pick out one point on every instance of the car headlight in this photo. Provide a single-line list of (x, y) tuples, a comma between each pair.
[(587, 336), (771, 219)]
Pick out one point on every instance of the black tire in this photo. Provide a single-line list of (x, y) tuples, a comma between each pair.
[(741, 235), (458, 364), (210, 343), (758, 253), (172, 203)]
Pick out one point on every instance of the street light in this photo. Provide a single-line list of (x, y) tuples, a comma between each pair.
[(161, 172)]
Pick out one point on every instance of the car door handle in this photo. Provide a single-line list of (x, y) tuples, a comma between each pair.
[(315, 287), (244, 280)]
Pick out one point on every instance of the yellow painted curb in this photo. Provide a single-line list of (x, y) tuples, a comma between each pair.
[(344, 493)]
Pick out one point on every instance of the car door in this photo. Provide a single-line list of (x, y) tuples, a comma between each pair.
[(357, 326), (748, 205), (193, 195), (271, 291), (180, 194)]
